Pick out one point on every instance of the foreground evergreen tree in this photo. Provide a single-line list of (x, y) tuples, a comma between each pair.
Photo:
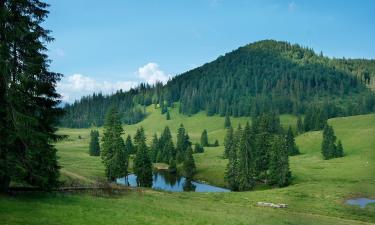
[(172, 166), (204, 138), (129, 145), (228, 142), (94, 147), (290, 143), (114, 155), (155, 145), (168, 116), (300, 127), (339, 149), (28, 99), (231, 172), (227, 122), (142, 164), (279, 173), (189, 164), (181, 144), (245, 161)]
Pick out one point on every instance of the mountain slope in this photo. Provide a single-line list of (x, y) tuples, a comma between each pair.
[(259, 77)]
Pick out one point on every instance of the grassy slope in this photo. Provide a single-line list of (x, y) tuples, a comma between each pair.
[(316, 197)]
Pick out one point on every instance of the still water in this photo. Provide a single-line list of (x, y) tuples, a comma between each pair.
[(162, 180), (362, 202)]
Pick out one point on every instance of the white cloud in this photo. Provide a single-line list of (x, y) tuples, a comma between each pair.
[(151, 73), (292, 6), (78, 85)]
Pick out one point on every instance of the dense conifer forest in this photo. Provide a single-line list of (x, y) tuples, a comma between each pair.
[(260, 77)]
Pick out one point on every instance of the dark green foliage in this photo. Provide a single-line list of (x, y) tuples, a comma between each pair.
[(228, 142), (189, 168), (172, 166), (114, 155), (198, 148), (183, 143), (29, 108), (329, 148), (246, 161), (166, 148), (155, 154), (204, 138), (279, 173), (79, 137), (227, 122), (316, 117), (300, 127), (129, 145), (168, 116), (291, 144), (94, 147), (142, 164), (216, 143)]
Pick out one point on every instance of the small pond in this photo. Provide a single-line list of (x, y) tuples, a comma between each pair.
[(162, 180), (362, 202)]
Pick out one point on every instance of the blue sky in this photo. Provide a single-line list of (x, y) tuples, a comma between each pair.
[(107, 45)]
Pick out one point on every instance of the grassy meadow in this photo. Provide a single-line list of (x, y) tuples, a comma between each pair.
[(316, 196)]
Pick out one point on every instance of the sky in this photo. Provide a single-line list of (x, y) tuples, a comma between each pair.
[(103, 46)]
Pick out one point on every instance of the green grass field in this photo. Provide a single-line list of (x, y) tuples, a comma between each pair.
[(317, 195)]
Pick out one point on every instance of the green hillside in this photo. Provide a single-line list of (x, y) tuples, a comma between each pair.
[(316, 196), (260, 77)]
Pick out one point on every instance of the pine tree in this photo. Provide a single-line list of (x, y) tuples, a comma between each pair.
[(216, 143), (154, 148), (94, 148), (204, 138), (198, 148), (227, 122), (279, 173), (228, 142), (167, 150), (129, 145), (114, 154), (142, 164), (300, 128), (189, 164), (172, 166), (339, 149), (328, 143), (245, 161), (168, 116), (291, 144), (28, 100), (180, 145), (231, 172)]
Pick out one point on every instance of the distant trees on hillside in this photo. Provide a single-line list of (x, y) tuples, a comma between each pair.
[(204, 138)]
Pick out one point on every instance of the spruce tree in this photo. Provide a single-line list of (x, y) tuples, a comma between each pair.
[(29, 108), (142, 164), (328, 144), (168, 116), (114, 154), (228, 142), (339, 149), (94, 147), (227, 122), (279, 173), (189, 164), (172, 166), (231, 172), (290, 143), (204, 138), (300, 128), (129, 145), (154, 148), (198, 148), (245, 161), (180, 145)]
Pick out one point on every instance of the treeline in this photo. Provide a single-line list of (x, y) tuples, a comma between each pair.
[(258, 78), (259, 153)]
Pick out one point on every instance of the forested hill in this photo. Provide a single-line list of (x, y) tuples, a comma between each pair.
[(260, 77)]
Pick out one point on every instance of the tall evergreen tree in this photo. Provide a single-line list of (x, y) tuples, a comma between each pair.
[(245, 161), (328, 143), (279, 173), (290, 143), (94, 147), (181, 145), (339, 149), (142, 164), (300, 128), (28, 98), (154, 148), (129, 145), (204, 138), (189, 164), (114, 155), (228, 142), (227, 122), (167, 150), (168, 116)]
